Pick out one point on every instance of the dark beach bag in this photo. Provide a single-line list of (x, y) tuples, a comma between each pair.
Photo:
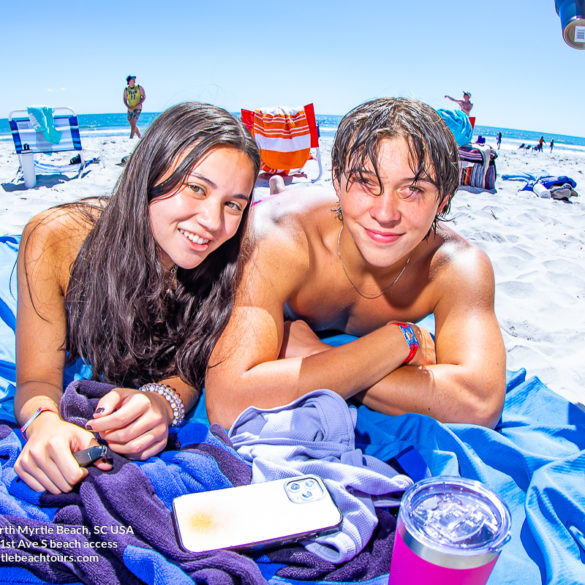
[(477, 166)]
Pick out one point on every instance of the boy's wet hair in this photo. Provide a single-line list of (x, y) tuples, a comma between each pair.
[(432, 147)]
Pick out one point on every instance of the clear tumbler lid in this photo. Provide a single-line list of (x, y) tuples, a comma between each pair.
[(456, 515)]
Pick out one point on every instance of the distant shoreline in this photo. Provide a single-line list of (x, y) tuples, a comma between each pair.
[(116, 124)]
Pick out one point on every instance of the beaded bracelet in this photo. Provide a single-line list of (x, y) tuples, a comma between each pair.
[(171, 396), (410, 338)]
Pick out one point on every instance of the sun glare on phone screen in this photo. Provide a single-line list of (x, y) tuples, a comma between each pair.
[(202, 522)]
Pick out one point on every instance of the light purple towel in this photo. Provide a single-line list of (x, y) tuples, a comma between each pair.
[(316, 435)]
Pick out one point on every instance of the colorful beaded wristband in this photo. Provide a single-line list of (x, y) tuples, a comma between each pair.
[(171, 396), (32, 418), (411, 339)]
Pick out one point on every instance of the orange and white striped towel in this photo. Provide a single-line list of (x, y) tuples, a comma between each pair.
[(283, 137)]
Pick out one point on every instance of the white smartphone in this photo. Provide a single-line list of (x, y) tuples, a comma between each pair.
[(256, 515)]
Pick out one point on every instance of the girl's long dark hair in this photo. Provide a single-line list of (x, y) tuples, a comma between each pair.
[(123, 317)]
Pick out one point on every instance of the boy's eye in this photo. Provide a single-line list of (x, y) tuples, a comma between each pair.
[(411, 191), (367, 183)]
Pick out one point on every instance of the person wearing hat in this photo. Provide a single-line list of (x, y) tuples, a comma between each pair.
[(464, 104), (134, 96)]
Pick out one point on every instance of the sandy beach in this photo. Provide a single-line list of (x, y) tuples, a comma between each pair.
[(536, 246)]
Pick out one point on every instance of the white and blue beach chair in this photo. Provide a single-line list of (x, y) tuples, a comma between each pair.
[(44, 130)]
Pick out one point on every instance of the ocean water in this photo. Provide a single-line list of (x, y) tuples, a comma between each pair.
[(116, 124)]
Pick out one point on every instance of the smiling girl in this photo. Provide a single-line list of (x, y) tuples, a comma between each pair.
[(139, 286)]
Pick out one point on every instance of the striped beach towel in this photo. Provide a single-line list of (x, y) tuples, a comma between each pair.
[(284, 136)]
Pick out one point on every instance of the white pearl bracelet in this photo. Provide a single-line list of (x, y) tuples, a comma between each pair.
[(171, 396)]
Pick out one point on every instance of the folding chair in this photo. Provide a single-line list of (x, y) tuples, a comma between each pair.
[(43, 130), (285, 136)]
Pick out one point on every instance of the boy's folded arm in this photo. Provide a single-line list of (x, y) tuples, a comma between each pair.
[(467, 384), (245, 369)]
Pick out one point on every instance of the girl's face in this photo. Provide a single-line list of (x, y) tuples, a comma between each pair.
[(205, 211)]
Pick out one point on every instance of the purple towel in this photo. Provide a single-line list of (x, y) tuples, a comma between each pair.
[(371, 562), (113, 514)]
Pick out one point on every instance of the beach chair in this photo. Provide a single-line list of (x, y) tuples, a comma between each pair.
[(44, 130), (288, 137)]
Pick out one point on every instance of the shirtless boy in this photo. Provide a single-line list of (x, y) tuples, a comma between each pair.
[(359, 260)]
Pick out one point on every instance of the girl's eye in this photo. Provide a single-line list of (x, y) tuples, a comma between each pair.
[(234, 205), (196, 189)]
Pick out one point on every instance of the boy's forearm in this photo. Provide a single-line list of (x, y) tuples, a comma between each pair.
[(346, 369), (441, 391)]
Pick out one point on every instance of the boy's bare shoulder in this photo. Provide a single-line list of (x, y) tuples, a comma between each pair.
[(454, 256), (287, 226), (294, 212)]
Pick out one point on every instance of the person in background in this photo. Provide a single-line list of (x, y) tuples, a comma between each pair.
[(370, 257), (499, 140), (464, 104), (134, 96), (541, 143), (552, 143), (138, 285)]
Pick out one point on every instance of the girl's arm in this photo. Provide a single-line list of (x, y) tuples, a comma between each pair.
[(49, 244)]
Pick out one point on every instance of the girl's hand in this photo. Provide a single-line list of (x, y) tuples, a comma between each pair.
[(46, 461), (133, 423)]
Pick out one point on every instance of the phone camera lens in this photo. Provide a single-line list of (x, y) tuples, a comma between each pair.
[(307, 495), (295, 487), (309, 483)]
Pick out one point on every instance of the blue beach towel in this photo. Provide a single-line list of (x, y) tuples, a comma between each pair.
[(459, 124), (534, 459), (546, 181)]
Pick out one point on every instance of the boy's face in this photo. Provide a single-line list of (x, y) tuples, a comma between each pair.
[(388, 220)]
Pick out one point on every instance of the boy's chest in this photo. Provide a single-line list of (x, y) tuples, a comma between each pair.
[(330, 301)]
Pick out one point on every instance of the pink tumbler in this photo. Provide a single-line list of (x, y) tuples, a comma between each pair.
[(450, 532)]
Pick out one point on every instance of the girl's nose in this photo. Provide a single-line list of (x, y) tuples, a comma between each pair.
[(210, 214)]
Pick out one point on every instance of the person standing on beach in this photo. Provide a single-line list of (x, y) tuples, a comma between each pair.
[(369, 257), (464, 104), (552, 143), (541, 143), (499, 140), (134, 96)]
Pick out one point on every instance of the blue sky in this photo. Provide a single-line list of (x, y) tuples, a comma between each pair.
[(508, 53)]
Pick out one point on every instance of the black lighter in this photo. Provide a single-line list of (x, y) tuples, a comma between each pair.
[(86, 457)]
